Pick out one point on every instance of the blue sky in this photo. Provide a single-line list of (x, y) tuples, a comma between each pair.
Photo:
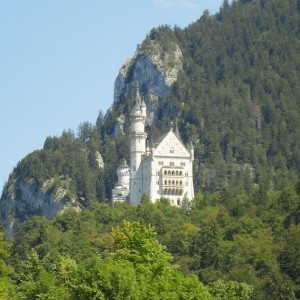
[(59, 60)]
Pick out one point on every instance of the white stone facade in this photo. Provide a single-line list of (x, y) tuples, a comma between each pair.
[(163, 169)]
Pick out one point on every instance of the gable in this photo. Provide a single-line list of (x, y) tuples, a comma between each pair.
[(170, 145)]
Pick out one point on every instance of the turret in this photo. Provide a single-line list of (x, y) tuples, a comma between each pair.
[(123, 172), (122, 187)]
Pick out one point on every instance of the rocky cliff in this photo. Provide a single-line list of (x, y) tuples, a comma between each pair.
[(153, 70), (23, 200)]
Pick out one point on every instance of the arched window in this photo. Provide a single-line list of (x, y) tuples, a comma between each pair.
[(169, 172), (165, 172), (173, 182), (173, 173), (176, 173)]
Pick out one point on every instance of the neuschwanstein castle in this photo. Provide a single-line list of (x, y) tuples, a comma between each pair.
[(161, 169)]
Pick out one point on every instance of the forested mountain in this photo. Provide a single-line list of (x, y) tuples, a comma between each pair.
[(231, 80)]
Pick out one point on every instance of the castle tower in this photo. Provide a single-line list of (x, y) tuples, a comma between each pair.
[(137, 133), (137, 146)]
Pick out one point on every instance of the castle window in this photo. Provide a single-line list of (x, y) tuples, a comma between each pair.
[(172, 163), (176, 182), (173, 182), (180, 182), (186, 174), (160, 163), (173, 173), (165, 172), (169, 182), (171, 150), (157, 173), (180, 173), (182, 164), (176, 173), (178, 201), (166, 182), (169, 172)]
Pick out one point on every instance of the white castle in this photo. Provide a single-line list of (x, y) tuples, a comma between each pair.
[(161, 169)]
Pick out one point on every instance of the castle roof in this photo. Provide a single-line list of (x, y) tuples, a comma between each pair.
[(171, 140)]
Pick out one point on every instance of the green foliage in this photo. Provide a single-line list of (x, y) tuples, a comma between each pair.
[(236, 245), (7, 288), (137, 244), (230, 290), (135, 267)]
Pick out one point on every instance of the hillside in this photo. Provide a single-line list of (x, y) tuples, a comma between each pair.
[(236, 94), (231, 80)]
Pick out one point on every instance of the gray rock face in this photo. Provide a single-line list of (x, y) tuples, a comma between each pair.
[(25, 200), (153, 70)]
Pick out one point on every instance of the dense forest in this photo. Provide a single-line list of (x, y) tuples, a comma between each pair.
[(237, 98), (217, 247)]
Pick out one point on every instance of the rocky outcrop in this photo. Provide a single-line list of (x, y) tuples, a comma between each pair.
[(24, 200), (153, 70), (99, 160)]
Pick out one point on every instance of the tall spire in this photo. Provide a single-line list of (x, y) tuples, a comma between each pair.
[(138, 96), (139, 106)]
